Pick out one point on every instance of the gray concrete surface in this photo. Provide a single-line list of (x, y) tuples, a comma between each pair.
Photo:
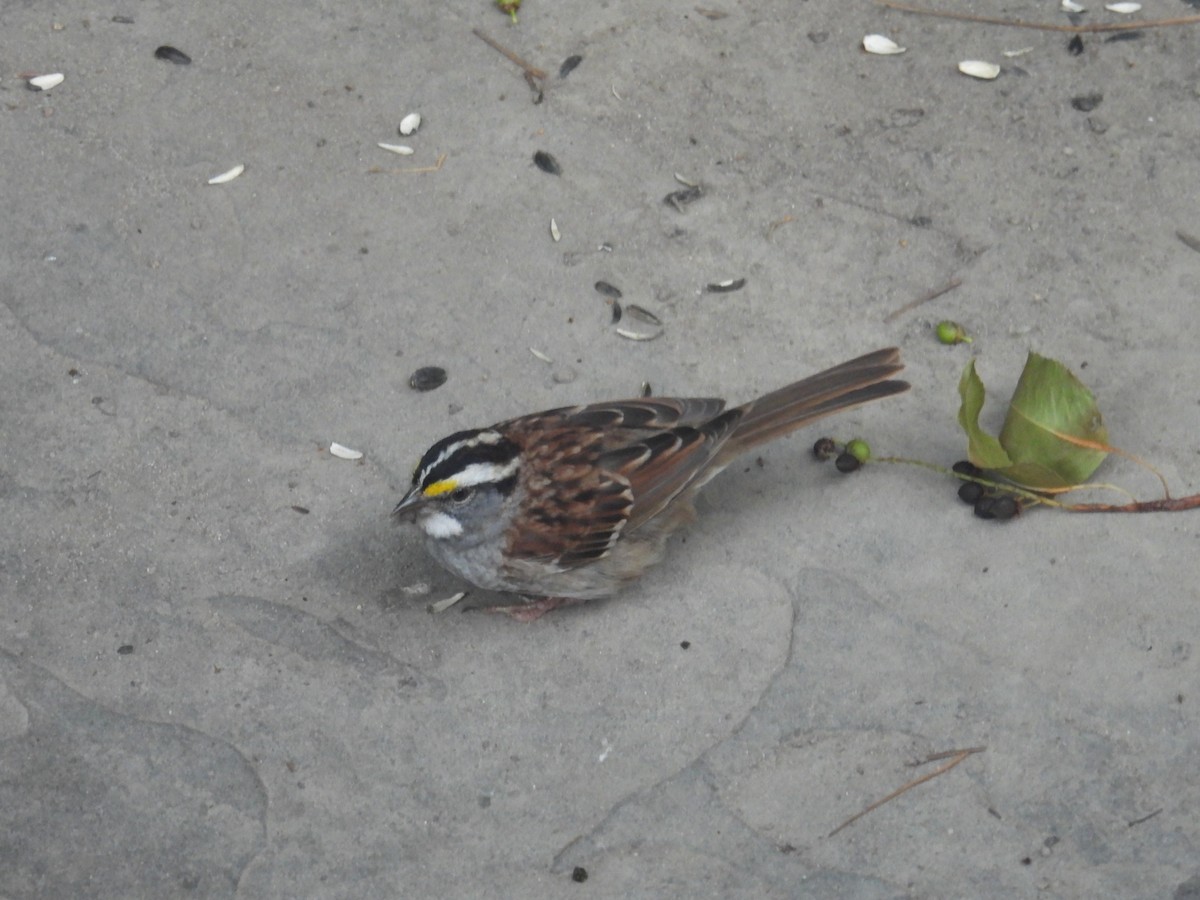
[(206, 693)]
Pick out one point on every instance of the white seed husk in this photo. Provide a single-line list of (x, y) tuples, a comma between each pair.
[(402, 149), (225, 177), (540, 355), (1124, 9), (977, 68), (1014, 53), (554, 232), (638, 335), (341, 452), (410, 123), (881, 45), (442, 605), (1072, 6), (45, 82), (685, 181)]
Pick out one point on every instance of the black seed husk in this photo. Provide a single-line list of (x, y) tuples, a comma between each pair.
[(547, 163), (569, 65), (608, 290), (1075, 45), (1087, 102), (427, 378), (616, 313), (642, 314), (172, 55), (679, 199)]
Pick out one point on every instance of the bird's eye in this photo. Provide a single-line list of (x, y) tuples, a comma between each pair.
[(462, 494)]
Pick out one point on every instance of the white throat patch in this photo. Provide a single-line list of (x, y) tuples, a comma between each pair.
[(440, 525)]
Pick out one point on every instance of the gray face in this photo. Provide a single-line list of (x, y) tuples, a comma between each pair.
[(461, 487)]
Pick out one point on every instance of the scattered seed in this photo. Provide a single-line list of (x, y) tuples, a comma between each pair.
[(714, 14), (680, 199), (172, 55), (1075, 45), (608, 290), (226, 177), (123, 20), (402, 149), (614, 92), (303, 510), (427, 378), (1125, 9), (881, 45), (637, 335), (977, 68), (569, 65), (410, 123), (45, 82), (643, 315), (1189, 240), (1071, 6), (125, 649), (616, 312), (341, 452), (442, 605), (1013, 54), (646, 390), (1087, 102), (726, 287), (1124, 36), (540, 355), (547, 163), (579, 874), (554, 232), (685, 182)]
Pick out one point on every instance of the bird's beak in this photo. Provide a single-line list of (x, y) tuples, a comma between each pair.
[(408, 503)]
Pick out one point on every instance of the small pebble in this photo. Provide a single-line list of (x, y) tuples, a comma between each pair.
[(427, 378), (172, 55)]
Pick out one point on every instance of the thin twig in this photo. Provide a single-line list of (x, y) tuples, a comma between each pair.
[(1040, 26), (422, 170), (1145, 818), (958, 756), (924, 298), (531, 71)]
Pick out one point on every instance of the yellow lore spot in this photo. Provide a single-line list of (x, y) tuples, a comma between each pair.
[(445, 486)]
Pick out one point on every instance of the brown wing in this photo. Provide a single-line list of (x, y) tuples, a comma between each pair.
[(625, 464)]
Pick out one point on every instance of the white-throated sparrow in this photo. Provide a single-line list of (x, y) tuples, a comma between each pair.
[(571, 504)]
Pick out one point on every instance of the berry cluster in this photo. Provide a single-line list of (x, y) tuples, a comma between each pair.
[(989, 502)]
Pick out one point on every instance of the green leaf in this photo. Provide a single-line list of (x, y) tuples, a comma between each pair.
[(982, 449), (1049, 403)]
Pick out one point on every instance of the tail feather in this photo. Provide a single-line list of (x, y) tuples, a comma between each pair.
[(841, 387)]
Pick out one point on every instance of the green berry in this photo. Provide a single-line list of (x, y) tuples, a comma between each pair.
[(952, 333), (859, 449)]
